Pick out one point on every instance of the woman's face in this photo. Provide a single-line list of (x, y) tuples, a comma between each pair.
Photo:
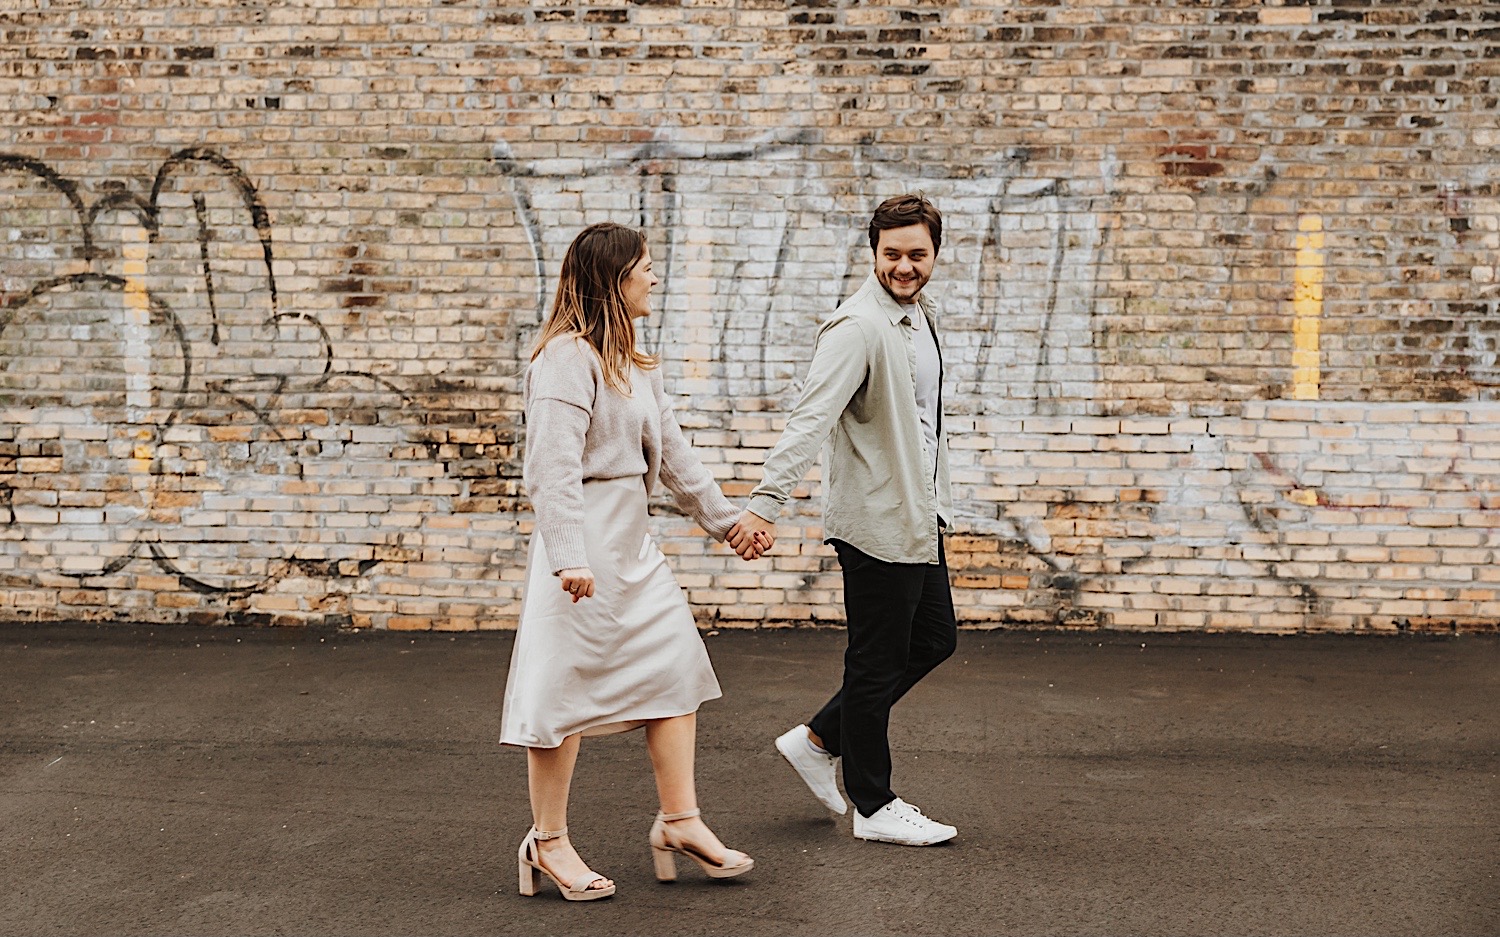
[(637, 287)]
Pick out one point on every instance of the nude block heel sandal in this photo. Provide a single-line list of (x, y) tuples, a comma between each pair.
[(665, 848), (531, 870)]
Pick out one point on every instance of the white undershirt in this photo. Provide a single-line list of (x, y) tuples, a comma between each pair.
[(929, 379)]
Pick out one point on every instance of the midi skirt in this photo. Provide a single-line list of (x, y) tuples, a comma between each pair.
[(605, 664)]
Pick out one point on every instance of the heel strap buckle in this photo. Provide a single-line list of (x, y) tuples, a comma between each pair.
[(542, 835)]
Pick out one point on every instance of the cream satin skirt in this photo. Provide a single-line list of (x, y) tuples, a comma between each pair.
[(607, 663)]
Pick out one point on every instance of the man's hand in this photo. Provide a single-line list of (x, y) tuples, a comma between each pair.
[(751, 536), (577, 581)]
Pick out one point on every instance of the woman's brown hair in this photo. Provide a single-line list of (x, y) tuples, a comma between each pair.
[(591, 304)]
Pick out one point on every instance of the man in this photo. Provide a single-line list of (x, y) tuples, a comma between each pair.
[(875, 386)]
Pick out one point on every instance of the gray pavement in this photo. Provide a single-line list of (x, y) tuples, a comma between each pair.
[(232, 781)]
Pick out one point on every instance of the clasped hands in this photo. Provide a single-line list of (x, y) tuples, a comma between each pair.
[(751, 536)]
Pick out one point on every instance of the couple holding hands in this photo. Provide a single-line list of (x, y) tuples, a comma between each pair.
[(606, 641)]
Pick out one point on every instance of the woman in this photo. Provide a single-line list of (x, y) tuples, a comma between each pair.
[(606, 641)]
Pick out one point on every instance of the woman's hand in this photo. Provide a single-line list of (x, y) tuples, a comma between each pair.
[(577, 582), (751, 536)]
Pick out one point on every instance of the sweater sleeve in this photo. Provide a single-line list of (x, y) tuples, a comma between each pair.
[(691, 484), (560, 390)]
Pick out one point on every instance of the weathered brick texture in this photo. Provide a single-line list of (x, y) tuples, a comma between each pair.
[(1219, 284)]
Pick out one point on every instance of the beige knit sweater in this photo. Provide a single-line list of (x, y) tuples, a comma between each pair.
[(579, 428)]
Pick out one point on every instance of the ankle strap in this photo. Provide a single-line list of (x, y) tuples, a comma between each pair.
[(541, 835), (669, 817)]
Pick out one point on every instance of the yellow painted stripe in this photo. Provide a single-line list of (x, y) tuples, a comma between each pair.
[(1307, 307), (135, 251)]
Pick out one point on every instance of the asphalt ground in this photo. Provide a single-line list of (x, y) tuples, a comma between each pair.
[(160, 780)]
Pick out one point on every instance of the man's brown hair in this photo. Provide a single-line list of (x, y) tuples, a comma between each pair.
[(904, 211)]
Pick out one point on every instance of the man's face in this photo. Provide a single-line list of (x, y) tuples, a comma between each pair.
[(903, 261)]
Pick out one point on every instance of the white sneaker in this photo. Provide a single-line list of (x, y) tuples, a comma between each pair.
[(818, 771), (900, 823)]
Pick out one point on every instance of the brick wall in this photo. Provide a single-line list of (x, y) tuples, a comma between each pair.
[(1219, 289)]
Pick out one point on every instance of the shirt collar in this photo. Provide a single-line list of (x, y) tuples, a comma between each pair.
[(894, 310)]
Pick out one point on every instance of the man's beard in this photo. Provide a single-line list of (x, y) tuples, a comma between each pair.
[(902, 290)]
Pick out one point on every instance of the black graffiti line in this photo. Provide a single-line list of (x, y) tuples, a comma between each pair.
[(325, 340), (1093, 301), (373, 378), (200, 208), (725, 308), (127, 202), (864, 182), (645, 161), (1273, 569), (167, 565), (147, 214), (530, 226), (259, 217), (992, 254), (857, 242), (666, 181), (664, 152), (1044, 353), (514, 172), (311, 568), (68, 189), (162, 314), (232, 387), (148, 211), (255, 410), (783, 251), (113, 566), (994, 244)]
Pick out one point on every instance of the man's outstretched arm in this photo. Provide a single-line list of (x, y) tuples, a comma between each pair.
[(840, 364)]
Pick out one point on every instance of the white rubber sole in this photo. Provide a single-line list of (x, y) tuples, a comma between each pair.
[(905, 842)]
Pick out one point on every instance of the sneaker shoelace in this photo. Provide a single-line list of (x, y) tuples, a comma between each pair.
[(907, 813)]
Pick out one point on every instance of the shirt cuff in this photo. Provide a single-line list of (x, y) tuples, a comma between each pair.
[(765, 507)]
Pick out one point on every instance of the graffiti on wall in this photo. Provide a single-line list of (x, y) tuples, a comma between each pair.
[(147, 349), (164, 399), (761, 242), (152, 382)]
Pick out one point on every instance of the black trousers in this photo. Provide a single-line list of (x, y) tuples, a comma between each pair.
[(901, 625)]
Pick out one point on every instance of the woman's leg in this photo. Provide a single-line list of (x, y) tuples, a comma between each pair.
[(672, 743), (549, 772)]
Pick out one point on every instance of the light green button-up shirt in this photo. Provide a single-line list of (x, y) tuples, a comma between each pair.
[(883, 491)]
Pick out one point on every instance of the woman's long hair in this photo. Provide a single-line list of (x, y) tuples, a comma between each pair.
[(590, 303)]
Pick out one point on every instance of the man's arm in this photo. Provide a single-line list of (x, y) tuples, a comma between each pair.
[(840, 364)]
